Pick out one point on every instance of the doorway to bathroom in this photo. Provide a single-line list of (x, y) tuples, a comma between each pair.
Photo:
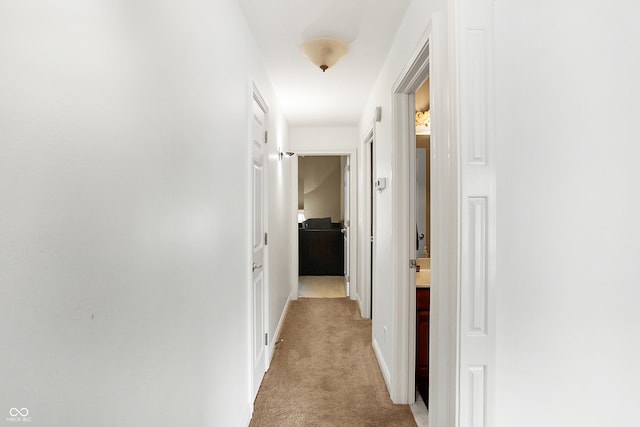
[(423, 237)]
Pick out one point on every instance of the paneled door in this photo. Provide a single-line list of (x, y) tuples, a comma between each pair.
[(258, 291)]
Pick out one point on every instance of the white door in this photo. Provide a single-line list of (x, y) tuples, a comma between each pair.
[(258, 290), (347, 222)]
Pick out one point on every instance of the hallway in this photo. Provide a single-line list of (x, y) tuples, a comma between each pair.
[(138, 139), (324, 372)]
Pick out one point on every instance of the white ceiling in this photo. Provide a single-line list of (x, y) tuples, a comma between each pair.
[(308, 96)]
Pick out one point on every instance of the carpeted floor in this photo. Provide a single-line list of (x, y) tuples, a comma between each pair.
[(324, 372), (321, 287)]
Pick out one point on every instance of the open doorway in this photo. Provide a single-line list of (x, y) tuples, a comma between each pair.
[(423, 236), (365, 286), (323, 226)]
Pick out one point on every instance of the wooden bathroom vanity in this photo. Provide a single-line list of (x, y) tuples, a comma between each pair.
[(423, 305)]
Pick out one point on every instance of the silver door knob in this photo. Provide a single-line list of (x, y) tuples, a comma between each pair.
[(256, 266)]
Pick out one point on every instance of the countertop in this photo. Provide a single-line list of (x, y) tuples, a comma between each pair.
[(423, 277)]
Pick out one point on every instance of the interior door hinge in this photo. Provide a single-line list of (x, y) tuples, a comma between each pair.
[(266, 137), (266, 239), (412, 264), (266, 338)]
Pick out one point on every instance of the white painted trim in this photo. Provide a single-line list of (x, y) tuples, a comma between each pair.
[(443, 378), (409, 80), (249, 245), (353, 237), (276, 334), (366, 258), (356, 298), (404, 310), (255, 93), (293, 294), (381, 364), (428, 59), (247, 419)]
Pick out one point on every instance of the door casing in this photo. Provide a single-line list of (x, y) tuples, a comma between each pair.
[(366, 259), (353, 244), (426, 62)]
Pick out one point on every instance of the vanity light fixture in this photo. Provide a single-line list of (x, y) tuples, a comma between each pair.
[(324, 52), (423, 123)]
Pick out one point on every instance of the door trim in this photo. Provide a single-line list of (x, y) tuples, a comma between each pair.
[(428, 59), (403, 153), (366, 258)]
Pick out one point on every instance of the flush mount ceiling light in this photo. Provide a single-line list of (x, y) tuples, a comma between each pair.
[(324, 52)]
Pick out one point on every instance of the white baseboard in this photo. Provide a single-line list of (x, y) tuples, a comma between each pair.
[(361, 306), (250, 416), (382, 364), (356, 297), (272, 345)]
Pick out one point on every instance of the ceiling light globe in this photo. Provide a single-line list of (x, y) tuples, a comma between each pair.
[(324, 52)]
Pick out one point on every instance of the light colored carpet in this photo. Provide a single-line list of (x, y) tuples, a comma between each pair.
[(321, 287), (324, 372)]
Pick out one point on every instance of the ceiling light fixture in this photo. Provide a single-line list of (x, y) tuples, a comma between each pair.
[(324, 52)]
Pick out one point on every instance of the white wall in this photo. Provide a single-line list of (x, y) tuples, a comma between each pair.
[(413, 26), (343, 140), (567, 99), (280, 218), (323, 139), (124, 212), (323, 186)]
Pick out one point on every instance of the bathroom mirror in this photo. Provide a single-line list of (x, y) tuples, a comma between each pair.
[(423, 173), (423, 208)]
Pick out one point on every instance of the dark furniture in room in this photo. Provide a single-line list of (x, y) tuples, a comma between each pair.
[(320, 248), (423, 305)]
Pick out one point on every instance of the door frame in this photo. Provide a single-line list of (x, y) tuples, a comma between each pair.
[(366, 258), (428, 59), (403, 223), (353, 241), (346, 200)]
